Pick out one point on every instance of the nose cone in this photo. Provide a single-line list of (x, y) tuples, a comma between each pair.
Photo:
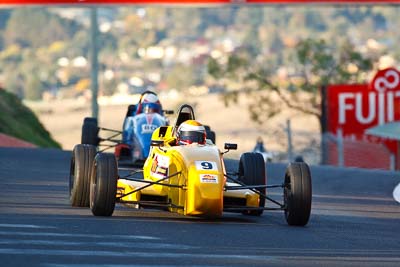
[(205, 183)]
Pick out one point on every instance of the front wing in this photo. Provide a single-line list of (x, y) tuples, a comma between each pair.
[(144, 193)]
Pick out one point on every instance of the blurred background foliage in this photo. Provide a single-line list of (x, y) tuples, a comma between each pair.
[(288, 50)]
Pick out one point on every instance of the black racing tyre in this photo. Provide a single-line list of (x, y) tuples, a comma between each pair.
[(211, 136), (79, 176), (252, 172), (297, 194), (90, 120), (103, 185), (90, 132)]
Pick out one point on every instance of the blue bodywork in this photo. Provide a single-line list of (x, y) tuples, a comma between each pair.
[(137, 131)]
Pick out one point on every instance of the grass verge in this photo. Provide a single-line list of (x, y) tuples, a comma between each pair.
[(19, 121)]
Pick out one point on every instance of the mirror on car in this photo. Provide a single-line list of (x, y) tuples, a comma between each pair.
[(229, 146), (157, 143), (168, 112)]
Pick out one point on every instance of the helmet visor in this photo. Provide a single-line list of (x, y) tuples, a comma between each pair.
[(189, 137), (151, 108)]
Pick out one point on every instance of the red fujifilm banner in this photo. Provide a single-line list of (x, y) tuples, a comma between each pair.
[(355, 108)]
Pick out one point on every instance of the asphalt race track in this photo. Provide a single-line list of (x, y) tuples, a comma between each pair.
[(355, 222)]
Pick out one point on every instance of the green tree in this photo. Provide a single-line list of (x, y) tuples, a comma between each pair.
[(138, 32), (13, 81), (4, 15), (33, 88), (180, 77), (36, 27), (314, 65), (184, 23)]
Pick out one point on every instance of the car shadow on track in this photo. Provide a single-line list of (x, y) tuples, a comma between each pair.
[(235, 218)]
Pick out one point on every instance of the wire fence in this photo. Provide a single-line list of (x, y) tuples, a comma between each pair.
[(329, 149), (349, 152)]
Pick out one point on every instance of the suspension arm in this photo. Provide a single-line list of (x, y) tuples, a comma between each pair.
[(252, 188), (110, 130), (152, 183), (149, 184)]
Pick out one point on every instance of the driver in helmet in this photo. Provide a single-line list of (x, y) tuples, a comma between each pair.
[(190, 132), (151, 108), (149, 104)]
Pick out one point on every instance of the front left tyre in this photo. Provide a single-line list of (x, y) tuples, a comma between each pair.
[(297, 194), (79, 176), (103, 185)]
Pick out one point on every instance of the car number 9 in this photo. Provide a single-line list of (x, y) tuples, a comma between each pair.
[(206, 165)]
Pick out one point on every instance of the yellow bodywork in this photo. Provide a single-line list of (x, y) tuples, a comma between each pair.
[(195, 171)]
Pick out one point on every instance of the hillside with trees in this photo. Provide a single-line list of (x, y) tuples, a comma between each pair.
[(44, 52), (19, 121)]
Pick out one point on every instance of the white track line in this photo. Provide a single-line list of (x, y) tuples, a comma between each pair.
[(158, 254), (48, 234), (120, 244), (30, 226)]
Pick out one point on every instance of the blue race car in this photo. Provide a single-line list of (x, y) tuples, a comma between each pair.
[(139, 123)]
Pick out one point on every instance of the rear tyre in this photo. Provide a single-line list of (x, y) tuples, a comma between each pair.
[(131, 110), (252, 172), (299, 159), (79, 176), (210, 134), (297, 194), (90, 132), (103, 185)]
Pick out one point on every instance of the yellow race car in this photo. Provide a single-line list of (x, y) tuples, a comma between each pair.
[(189, 180)]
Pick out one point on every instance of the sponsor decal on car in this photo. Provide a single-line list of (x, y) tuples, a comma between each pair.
[(120, 191), (209, 178), (159, 168), (148, 128)]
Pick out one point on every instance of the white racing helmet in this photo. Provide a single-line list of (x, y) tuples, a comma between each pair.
[(191, 131)]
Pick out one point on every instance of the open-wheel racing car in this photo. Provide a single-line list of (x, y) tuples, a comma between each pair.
[(132, 144), (186, 179)]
